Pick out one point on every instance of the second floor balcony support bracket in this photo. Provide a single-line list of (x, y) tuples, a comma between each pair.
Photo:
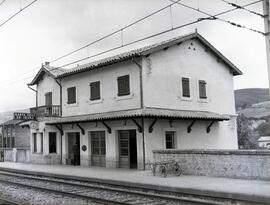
[(138, 125), (60, 128), (109, 129), (81, 128)]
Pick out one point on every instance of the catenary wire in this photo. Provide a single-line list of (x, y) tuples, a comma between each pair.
[(18, 12), (197, 21), (240, 7), (214, 17), (115, 32)]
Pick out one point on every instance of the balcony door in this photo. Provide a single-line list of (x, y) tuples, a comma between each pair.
[(48, 103)]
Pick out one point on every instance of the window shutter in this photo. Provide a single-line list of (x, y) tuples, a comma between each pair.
[(185, 87), (123, 85), (95, 90), (71, 95), (202, 89), (48, 99)]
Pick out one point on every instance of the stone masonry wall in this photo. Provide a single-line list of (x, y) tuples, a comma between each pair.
[(244, 164)]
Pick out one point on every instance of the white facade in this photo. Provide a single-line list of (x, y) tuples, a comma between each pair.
[(155, 82)]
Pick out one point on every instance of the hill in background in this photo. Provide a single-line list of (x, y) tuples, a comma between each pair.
[(245, 98), (5, 116)]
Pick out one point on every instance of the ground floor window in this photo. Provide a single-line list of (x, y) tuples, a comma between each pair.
[(52, 142), (34, 142), (12, 142), (170, 139)]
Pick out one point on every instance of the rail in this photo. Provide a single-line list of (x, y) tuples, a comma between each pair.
[(46, 111)]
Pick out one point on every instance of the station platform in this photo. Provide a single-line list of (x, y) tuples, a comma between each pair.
[(237, 189)]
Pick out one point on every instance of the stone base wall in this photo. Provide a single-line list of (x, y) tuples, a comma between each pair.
[(243, 164), (17, 155), (45, 159)]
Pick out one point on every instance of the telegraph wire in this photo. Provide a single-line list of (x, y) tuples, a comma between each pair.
[(3, 1), (211, 17), (214, 17), (18, 12), (115, 32), (240, 7)]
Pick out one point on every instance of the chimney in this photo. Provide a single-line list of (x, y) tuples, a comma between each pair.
[(47, 63)]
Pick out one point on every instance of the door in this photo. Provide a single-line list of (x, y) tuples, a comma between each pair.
[(48, 103), (73, 157), (127, 149), (98, 148)]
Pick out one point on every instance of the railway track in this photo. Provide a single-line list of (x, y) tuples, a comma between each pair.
[(4, 201), (97, 192)]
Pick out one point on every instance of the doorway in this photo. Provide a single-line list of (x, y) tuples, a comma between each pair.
[(127, 149), (73, 157)]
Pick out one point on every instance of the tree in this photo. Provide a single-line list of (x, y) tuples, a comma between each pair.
[(247, 137)]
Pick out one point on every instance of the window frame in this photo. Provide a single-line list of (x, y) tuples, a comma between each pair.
[(93, 99), (202, 97), (174, 141), (183, 79), (123, 94), (75, 95)]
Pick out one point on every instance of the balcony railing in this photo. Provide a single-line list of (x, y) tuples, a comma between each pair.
[(23, 116), (46, 111)]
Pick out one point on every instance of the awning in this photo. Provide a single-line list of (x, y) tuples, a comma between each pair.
[(145, 112)]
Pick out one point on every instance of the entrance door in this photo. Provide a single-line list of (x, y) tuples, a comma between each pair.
[(127, 149), (98, 148), (73, 148)]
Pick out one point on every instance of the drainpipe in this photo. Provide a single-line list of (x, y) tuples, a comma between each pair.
[(61, 139), (28, 85), (142, 106)]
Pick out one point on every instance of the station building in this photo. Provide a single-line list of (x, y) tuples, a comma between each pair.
[(176, 94)]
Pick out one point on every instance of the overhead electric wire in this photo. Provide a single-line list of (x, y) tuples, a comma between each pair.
[(240, 7), (3, 1), (211, 17), (181, 26), (214, 17), (18, 12), (115, 32)]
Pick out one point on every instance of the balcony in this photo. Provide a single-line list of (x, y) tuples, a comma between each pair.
[(46, 111)]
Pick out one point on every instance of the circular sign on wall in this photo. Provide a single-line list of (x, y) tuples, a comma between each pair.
[(34, 125), (84, 148)]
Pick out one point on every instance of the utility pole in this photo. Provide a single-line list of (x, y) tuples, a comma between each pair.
[(267, 36)]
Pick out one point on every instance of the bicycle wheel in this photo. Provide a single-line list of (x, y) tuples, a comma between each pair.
[(163, 170)]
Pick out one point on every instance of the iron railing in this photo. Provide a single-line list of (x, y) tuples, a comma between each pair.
[(46, 111)]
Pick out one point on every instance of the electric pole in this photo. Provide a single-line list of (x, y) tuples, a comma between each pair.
[(267, 36)]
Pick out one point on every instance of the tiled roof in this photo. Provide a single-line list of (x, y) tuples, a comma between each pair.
[(147, 50), (50, 70), (146, 112)]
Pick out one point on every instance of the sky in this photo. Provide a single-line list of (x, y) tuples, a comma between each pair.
[(51, 28)]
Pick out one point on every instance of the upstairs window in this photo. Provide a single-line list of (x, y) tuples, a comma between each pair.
[(52, 142), (202, 89), (170, 139), (71, 95), (95, 90), (185, 87), (123, 85)]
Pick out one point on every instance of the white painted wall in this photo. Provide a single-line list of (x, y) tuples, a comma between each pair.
[(222, 135), (109, 99), (162, 72), (48, 84)]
